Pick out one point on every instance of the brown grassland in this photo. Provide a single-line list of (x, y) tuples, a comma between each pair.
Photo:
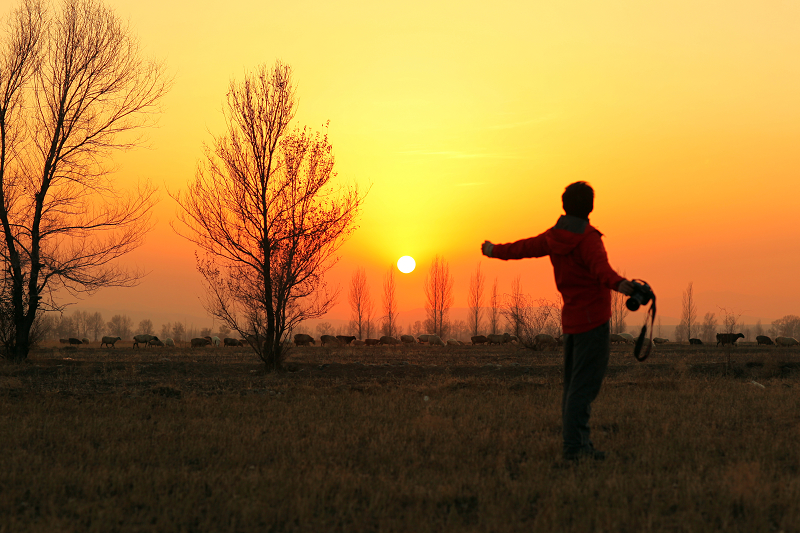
[(395, 439)]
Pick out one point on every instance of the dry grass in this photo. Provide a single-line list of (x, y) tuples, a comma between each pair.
[(393, 439)]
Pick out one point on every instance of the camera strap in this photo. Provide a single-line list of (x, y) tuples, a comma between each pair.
[(637, 350)]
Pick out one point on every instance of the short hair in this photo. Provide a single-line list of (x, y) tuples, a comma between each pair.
[(578, 199)]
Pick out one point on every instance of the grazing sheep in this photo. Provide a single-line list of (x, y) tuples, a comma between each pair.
[(543, 340), (479, 339), (386, 339), (301, 339), (452, 342), (786, 341), (695, 341), (230, 341), (73, 340), (628, 338), (109, 341), (346, 339), (358, 342), (199, 342), (372, 342), (407, 339), (763, 339), (155, 342), (142, 339), (423, 338), (215, 341), (329, 339), (495, 339), (660, 340), (169, 342), (435, 340), (728, 338), (512, 338), (85, 340), (617, 339)]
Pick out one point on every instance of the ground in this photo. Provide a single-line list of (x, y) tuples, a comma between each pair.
[(395, 439)]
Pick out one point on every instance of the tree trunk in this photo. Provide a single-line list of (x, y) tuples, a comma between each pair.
[(21, 348)]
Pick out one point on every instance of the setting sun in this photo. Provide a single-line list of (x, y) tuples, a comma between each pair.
[(406, 264)]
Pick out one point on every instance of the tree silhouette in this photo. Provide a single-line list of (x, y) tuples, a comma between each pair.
[(438, 296), (73, 88), (476, 284), (266, 216)]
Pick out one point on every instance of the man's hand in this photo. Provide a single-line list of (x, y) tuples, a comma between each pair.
[(625, 287), (486, 248)]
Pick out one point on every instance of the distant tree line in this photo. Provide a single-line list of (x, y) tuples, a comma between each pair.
[(515, 312)]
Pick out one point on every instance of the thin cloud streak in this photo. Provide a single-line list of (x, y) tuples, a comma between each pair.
[(457, 155)]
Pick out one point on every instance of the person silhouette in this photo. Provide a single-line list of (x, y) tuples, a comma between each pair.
[(585, 280)]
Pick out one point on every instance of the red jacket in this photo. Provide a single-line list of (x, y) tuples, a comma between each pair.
[(580, 264)]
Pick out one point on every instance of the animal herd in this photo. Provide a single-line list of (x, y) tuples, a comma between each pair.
[(541, 341), (303, 339), (154, 341)]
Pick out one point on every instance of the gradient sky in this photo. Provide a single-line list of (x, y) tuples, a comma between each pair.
[(468, 119)]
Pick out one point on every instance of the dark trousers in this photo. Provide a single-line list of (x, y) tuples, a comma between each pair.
[(585, 362)]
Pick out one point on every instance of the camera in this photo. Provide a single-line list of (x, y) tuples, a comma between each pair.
[(642, 294)]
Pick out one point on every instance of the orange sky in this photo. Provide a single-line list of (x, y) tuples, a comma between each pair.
[(468, 120)]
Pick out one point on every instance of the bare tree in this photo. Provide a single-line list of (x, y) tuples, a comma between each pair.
[(538, 316), (438, 296), (96, 324), (494, 309), (730, 319), (360, 303), (514, 307), (709, 327), (178, 331), (389, 320), (786, 326), (324, 328), (476, 284), (120, 326), (689, 313), (146, 327), (166, 330), (73, 88), (459, 330), (81, 321), (266, 216), (223, 331)]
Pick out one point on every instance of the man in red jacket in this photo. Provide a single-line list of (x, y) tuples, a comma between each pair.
[(585, 280)]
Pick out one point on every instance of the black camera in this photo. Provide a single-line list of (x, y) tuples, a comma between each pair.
[(642, 294)]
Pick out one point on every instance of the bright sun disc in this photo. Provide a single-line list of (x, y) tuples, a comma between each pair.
[(406, 264)]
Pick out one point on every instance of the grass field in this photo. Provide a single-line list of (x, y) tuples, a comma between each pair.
[(395, 439)]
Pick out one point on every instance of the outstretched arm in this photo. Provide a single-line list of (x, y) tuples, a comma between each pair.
[(532, 247)]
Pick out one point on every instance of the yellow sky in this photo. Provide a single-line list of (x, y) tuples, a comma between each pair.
[(468, 119)]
